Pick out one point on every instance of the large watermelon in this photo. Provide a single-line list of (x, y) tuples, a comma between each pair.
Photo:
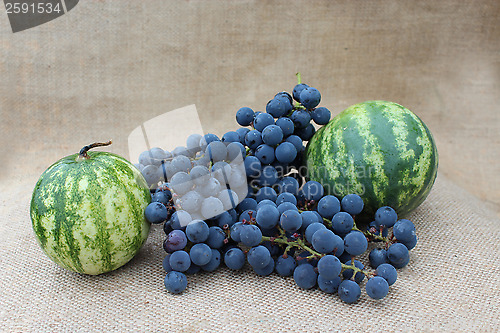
[(87, 211), (379, 150)]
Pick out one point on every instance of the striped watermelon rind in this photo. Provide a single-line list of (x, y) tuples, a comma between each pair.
[(379, 150), (88, 214)]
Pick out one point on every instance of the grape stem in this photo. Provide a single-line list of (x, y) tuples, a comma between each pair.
[(367, 233), (297, 104), (299, 78), (84, 150), (299, 243), (371, 235)]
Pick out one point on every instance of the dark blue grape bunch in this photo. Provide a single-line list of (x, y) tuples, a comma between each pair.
[(276, 137), (318, 245), (316, 241), (244, 200)]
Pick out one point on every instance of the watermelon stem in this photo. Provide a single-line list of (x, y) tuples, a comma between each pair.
[(84, 150)]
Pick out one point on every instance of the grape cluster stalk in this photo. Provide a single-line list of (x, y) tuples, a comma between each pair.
[(245, 199)]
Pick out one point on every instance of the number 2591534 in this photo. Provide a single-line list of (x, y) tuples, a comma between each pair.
[(25, 8)]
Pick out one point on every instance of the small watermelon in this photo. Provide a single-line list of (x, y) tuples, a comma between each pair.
[(87, 211), (379, 150)]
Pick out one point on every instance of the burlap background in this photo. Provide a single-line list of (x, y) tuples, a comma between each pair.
[(108, 66)]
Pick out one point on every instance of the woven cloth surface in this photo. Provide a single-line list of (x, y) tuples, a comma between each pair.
[(450, 284), (106, 67)]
